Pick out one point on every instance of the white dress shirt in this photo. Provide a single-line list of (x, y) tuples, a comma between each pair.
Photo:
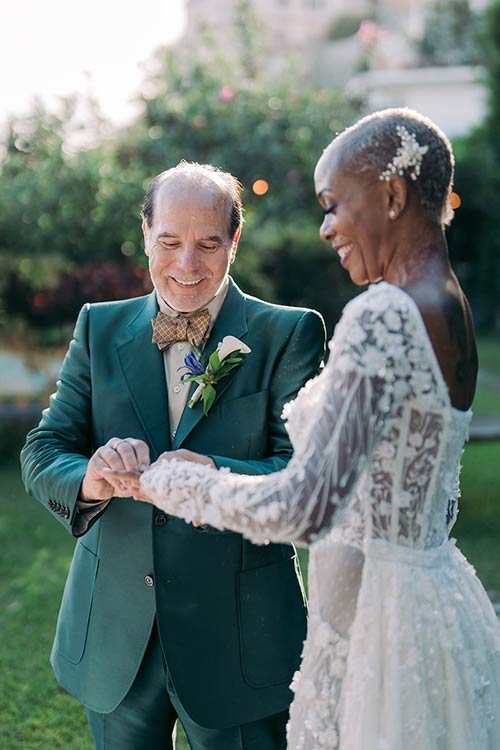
[(173, 359)]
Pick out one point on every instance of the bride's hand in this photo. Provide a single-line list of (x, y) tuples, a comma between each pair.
[(182, 454), (127, 482)]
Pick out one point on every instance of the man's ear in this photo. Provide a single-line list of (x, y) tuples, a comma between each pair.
[(234, 246), (144, 226)]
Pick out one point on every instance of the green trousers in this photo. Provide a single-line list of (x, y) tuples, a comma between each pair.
[(145, 719)]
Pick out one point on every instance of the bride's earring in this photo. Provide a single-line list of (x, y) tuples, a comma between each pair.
[(392, 214)]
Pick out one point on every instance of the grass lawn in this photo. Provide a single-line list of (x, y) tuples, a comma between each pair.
[(487, 399), (36, 713)]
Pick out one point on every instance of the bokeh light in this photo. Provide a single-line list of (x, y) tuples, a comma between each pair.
[(275, 103), (128, 248), (200, 121), (455, 201), (260, 187), (155, 132)]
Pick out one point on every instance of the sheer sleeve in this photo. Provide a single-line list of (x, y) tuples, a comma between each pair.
[(333, 424)]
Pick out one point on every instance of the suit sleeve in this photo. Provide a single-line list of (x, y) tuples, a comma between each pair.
[(55, 457), (300, 360)]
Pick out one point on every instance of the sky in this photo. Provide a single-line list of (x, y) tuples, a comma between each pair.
[(51, 48)]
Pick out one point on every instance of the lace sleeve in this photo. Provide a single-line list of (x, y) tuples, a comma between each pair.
[(333, 424)]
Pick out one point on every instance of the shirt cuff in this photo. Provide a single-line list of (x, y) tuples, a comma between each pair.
[(85, 512)]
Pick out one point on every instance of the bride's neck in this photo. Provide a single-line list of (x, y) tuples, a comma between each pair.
[(414, 262)]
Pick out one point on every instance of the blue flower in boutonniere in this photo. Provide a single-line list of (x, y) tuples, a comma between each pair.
[(225, 358)]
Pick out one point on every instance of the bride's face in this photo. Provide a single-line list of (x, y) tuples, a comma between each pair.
[(354, 218)]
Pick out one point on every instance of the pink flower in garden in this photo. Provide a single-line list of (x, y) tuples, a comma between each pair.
[(226, 94), (370, 33)]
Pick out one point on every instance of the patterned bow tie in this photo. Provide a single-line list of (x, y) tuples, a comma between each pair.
[(167, 329)]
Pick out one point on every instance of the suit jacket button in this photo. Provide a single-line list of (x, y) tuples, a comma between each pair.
[(160, 520), (148, 580)]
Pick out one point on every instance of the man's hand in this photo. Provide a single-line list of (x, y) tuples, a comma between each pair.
[(182, 454), (130, 485), (117, 453)]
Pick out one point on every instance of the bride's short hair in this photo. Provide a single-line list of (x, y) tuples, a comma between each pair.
[(372, 143)]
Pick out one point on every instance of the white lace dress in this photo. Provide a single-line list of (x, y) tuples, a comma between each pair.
[(403, 645)]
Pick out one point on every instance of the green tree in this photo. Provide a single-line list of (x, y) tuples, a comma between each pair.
[(474, 237), (451, 34), (59, 209)]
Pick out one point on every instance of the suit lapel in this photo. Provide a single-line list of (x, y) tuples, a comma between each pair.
[(143, 368), (231, 321)]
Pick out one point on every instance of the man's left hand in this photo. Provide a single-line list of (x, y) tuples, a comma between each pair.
[(131, 486)]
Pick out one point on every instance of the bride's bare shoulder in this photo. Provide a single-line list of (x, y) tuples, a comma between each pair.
[(447, 318)]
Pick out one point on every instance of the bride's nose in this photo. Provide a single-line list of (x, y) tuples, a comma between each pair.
[(327, 230)]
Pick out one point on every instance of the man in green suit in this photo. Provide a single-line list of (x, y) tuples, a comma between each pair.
[(160, 619)]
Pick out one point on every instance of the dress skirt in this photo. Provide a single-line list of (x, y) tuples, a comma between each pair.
[(421, 668)]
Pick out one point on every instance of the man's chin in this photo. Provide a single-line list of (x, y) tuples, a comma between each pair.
[(185, 304)]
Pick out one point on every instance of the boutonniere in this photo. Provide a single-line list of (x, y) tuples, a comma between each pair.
[(226, 357)]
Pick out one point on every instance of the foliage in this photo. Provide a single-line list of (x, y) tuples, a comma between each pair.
[(344, 26), (57, 203), (491, 40), (451, 34), (15, 422), (88, 282), (473, 235), (62, 209)]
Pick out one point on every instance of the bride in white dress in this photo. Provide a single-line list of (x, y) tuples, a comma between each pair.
[(403, 645)]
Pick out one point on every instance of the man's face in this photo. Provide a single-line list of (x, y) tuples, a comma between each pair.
[(188, 243)]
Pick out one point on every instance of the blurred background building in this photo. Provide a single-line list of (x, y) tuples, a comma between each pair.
[(416, 53)]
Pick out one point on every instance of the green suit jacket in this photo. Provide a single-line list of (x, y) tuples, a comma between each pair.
[(231, 614)]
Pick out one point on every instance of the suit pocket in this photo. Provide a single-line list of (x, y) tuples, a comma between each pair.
[(244, 425), (272, 619), (244, 406), (74, 615)]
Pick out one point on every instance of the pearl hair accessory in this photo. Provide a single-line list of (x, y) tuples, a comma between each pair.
[(408, 156)]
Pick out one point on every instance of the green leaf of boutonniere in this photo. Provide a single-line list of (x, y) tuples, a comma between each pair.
[(209, 394), (214, 361), (224, 359)]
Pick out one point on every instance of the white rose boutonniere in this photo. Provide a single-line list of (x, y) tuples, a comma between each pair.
[(225, 358)]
